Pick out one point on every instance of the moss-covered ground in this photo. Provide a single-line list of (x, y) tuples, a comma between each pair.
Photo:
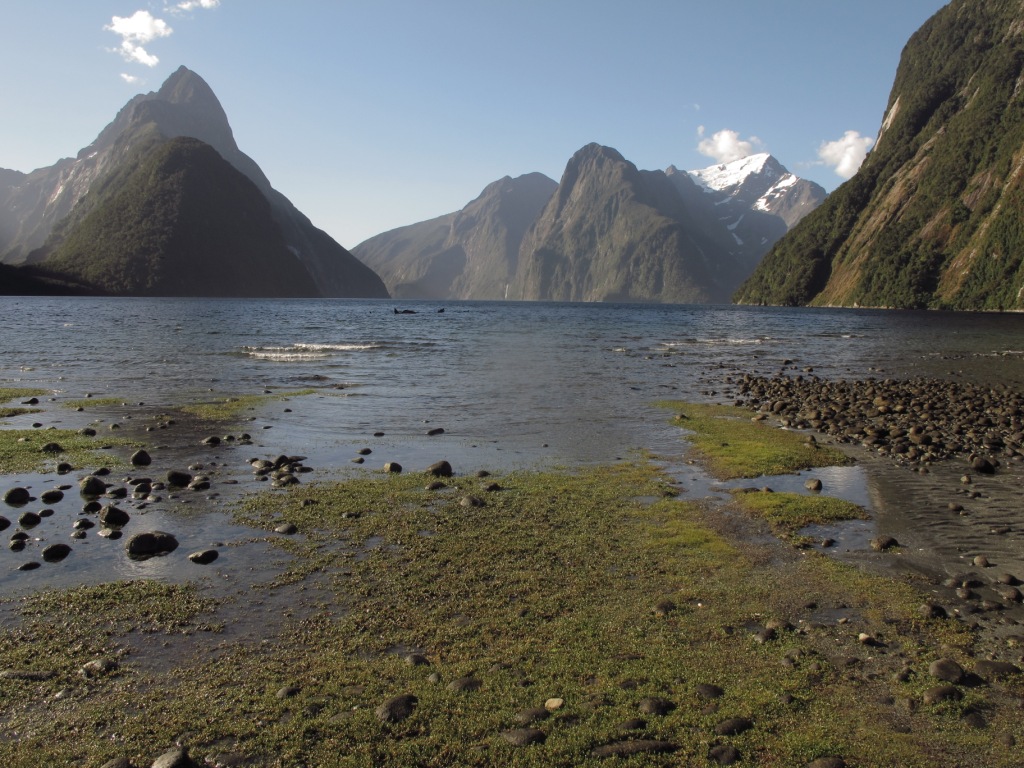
[(571, 586), (730, 444)]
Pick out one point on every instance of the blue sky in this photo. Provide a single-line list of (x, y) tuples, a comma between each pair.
[(372, 114)]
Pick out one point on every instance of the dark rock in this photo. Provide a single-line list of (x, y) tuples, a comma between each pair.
[(52, 496), (204, 556), (465, 684), (435, 431), (397, 709), (724, 754), (178, 479), (141, 458), (883, 543), (114, 517), (150, 543), (440, 469), (942, 693), (634, 747), (471, 501), (288, 692), (982, 465), (827, 762), (287, 529), (52, 448), (175, 758), (118, 762), (814, 484), (4, 523), (29, 519), (524, 737), (56, 552), (633, 724), (708, 691), (31, 565), (98, 668), (393, 467), (17, 497), (417, 660), (989, 670), (532, 715), (733, 726), (655, 705), (946, 670), (92, 486)]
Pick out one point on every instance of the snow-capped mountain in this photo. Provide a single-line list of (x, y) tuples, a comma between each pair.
[(760, 182), (754, 199)]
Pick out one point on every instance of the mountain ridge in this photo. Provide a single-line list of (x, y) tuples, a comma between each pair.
[(39, 210)]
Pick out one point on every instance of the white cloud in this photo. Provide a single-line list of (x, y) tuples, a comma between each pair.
[(191, 5), (130, 79), (846, 154), (726, 146), (136, 31)]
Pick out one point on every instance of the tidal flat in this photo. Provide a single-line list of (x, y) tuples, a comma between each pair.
[(600, 615)]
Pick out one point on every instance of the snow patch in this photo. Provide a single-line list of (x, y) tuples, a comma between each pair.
[(727, 175)]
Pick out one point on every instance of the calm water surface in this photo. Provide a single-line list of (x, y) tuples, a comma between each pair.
[(514, 385)]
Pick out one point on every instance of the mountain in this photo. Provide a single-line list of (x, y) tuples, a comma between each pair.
[(98, 218), (935, 215), (607, 232), (470, 254), (614, 233)]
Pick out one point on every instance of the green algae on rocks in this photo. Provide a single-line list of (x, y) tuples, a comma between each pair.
[(27, 450), (733, 445), (228, 408)]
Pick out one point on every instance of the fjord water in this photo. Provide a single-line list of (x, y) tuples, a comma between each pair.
[(512, 384)]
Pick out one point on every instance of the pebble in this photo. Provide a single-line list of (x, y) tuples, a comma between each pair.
[(634, 747), (524, 737), (397, 709), (733, 726), (655, 705), (17, 496), (464, 684), (554, 704)]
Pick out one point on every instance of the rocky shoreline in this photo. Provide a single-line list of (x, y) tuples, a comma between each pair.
[(946, 461)]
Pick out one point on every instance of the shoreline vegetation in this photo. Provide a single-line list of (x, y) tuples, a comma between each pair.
[(583, 617)]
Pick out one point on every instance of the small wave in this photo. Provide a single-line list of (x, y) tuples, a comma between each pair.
[(735, 342), (303, 351)]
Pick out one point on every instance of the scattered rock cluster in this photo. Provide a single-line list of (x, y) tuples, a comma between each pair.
[(914, 421)]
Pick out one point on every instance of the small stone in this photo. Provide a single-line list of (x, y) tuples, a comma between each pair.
[(113, 517), (397, 709), (471, 501), (827, 762), (98, 667), (883, 543), (532, 715), (393, 467), (554, 704), (435, 431), (814, 484), (464, 684), (286, 528), (29, 519), (524, 737), (733, 726), (178, 479), (175, 758), (440, 469), (655, 705), (708, 691), (288, 692), (141, 458), (664, 607), (981, 562), (54, 496), (150, 543), (724, 754), (31, 565), (942, 693), (634, 747), (204, 557), (988, 670), (946, 670), (17, 496), (91, 485), (417, 660), (56, 552)]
